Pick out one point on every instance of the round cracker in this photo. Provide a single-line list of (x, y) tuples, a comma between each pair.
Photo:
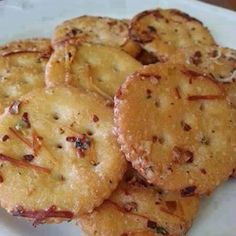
[(94, 67), (219, 62), (137, 208), (176, 127), (58, 157), (22, 68), (163, 31), (96, 30)]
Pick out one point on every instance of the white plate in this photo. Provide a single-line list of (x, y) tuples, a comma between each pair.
[(35, 18)]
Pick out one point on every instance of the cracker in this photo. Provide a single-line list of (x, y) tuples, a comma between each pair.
[(96, 30), (219, 62), (177, 128), (163, 31), (137, 208), (94, 67), (22, 68), (58, 157)]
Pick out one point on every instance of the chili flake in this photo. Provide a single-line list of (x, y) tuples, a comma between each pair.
[(15, 107), (188, 191), (5, 138), (28, 157)]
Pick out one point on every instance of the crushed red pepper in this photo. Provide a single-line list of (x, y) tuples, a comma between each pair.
[(181, 155), (188, 191), (171, 205), (23, 163), (15, 107), (205, 97), (177, 93), (41, 215), (28, 157), (5, 138), (25, 119), (95, 118), (1, 179), (185, 126), (130, 206)]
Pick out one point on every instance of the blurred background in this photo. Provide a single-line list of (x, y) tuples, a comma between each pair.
[(230, 4)]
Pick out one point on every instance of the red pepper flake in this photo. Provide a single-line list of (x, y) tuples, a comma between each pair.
[(130, 206), (171, 205), (154, 139), (20, 137), (25, 119), (42, 215), (185, 126), (28, 157), (151, 224), (188, 191), (1, 179), (204, 97), (177, 93), (15, 107), (80, 153), (181, 155), (149, 93), (95, 118), (23, 163), (119, 93), (194, 75), (5, 138), (71, 139)]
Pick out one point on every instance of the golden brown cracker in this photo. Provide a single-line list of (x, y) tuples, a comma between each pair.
[(137, 208), (96, 30), (58, 155), (177, 128), (163, 31), (98, 68)]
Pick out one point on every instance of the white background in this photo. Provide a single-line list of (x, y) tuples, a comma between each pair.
[(37, 18)]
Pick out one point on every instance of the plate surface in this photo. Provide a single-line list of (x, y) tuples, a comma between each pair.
[(37, 18)]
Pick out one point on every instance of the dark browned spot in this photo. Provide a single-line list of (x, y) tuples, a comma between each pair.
[(89, 132), (55, 116), (205, 140), (203, 171), (202, 107), (59, 146), (151, 29)]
